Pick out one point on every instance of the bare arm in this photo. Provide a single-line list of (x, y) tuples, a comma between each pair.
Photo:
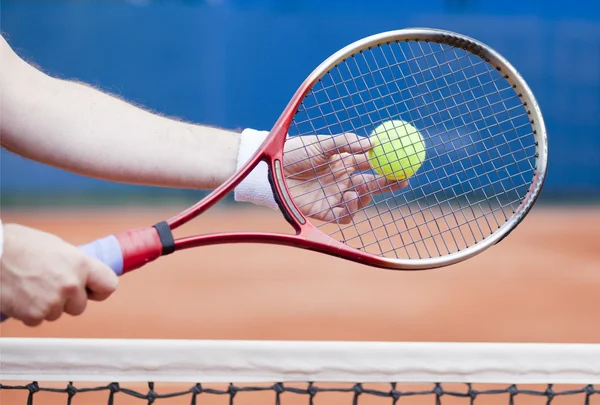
[(80, 129)]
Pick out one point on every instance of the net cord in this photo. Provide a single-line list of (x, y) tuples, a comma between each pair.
[(133, 360)]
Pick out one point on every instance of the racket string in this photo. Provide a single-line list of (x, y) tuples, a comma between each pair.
[(448, 200), (335, 112), (407, 88), (443, 166), (479, 143), (467, 197), (451, 118), (440, 231), (381, 119), (450, 227), (425, 103), (467, 179), (443, 122)]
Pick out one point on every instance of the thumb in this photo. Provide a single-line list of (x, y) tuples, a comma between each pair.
[(101, 281)]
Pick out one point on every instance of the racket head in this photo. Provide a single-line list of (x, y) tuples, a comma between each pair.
[(486, 148)]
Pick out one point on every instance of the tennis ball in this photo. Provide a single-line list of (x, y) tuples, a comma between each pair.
[(398, 150)]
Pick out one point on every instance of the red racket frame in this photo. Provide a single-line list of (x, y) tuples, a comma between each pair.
[(143, 245)]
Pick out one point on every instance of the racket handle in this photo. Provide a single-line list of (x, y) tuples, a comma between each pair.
[(108, 251), (125, 251)]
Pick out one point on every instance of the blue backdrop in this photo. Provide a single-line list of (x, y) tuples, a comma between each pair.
[(235, 63)]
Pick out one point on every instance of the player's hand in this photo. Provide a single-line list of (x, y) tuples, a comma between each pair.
[(327, 176), (41, 276)]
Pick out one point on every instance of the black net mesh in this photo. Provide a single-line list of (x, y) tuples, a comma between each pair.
[(298, 393)]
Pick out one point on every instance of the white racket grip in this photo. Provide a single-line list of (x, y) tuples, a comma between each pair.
[(255, 188), (107, 250)]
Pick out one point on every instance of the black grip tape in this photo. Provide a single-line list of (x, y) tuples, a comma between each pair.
[(277, 198), (166, 238)]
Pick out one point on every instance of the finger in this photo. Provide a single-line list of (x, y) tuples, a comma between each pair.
[(344, 143), (351, 200), (32, 321), (364, 195), (339, 215), (349, 163), (101, 281), (362, 162), (362, 191), (378, 184), (55, 311), (33, 317), (354, 162), (76, 303), (344, 211), (31, 311), (365, 200), (341, 169)]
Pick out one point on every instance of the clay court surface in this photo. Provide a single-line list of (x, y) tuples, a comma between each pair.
[(542, 284)]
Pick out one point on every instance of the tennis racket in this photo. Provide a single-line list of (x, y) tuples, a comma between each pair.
[(486, 159)]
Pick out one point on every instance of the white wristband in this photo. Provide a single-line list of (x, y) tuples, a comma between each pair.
[(255, 188)]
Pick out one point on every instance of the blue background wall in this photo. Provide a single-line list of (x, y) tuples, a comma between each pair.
[(235, 63)]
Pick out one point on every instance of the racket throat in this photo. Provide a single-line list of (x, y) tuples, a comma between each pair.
[(282, 196), (166, 238)]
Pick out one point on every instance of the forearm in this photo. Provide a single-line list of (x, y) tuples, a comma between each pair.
[(80, 129)]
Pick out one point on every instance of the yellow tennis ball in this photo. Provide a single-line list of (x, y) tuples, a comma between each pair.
[(398, 150)]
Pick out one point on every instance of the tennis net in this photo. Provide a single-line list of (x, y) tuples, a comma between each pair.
[(170, 372)]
